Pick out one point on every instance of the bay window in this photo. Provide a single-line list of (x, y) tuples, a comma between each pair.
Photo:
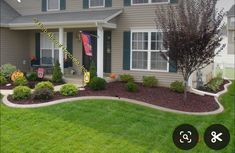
[(96, 3), (49, 53), (145, 51)]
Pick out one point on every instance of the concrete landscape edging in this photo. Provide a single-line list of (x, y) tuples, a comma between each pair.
[(219, 110)]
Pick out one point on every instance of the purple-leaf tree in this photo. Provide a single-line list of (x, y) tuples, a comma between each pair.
[(192, 33)]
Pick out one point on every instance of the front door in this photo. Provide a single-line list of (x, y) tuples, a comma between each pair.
[(107, 52)]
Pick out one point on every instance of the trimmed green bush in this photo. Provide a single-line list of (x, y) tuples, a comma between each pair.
[(131, 87), (126, 78), (43, 94), (92, 70), (7, 70), (57, 75), (3, 80), (68, 90), (45, 84), (21, 92), (177, 86), (214, 84), (150, 81), (97, 83), (20, 81), (32, 76)]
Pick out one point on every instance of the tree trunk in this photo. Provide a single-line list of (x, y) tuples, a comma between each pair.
[(185, 89)]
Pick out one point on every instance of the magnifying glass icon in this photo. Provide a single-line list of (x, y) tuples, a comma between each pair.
[(185, 137)]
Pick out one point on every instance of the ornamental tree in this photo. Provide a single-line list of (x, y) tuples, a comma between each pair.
[(192, 33)]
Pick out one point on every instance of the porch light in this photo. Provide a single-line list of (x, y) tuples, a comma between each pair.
[(19, 1)]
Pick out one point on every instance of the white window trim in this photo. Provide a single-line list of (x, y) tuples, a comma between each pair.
[(52, 48), (149, 3), (149, 51), (96, 6), (53, 9)]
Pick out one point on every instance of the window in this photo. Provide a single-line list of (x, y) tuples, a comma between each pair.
[(96, 3), (232, 21), (145, 53), (49, 51), (136, 2), (53, 5), (140, 1)]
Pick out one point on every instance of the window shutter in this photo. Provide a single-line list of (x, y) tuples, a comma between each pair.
[(44, 5), (37, 48), (126, 50), (172, 66), (70, 47), (174, 1), (108, 3), (127, 2), (85, 4), (62, 4)]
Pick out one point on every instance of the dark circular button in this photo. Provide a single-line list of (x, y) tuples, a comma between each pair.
[(185, 137), (217, 137)]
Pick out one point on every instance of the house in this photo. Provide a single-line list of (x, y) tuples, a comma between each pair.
[(231, 30), (127, 39)]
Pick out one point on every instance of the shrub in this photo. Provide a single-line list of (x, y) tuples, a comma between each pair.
[(32, 76), (131, 87), (3, 80), (126, 78), (44, 84), (92, 70), (20, 81), (21, 92), (97, 83), (177, 86), (7, 70), (214, 84), (57, 75), (150, 81), (43, 94), (68, 90)]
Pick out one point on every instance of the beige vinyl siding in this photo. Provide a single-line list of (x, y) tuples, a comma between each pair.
[(31, 7), (231, 42), (14, 48), (138, 17)]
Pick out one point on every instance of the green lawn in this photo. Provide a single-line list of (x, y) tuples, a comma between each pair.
[(103, 127)]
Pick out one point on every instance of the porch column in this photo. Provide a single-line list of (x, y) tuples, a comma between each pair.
[(100, 51), (61, 54)]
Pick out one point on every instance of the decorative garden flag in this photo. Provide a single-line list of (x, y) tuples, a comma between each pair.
[(86, 41)]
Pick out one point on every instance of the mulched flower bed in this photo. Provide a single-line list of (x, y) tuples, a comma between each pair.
[(159, 96), (221, 87), (31, 84)]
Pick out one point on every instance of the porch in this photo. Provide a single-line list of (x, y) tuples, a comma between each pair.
[(67, 31)]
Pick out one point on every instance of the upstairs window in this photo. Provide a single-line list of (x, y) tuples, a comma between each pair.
[(140, 1), (53, 5), (96, 3), (136, 2)]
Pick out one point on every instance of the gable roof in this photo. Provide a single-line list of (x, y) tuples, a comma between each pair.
[(231, 12), (7, 13), (67, 18)]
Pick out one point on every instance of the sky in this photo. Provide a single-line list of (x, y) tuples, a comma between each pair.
[(226, 4)]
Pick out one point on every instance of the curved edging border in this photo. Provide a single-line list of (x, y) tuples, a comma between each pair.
[(219, 110)]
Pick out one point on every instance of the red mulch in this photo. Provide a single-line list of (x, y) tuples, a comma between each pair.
[(159, 96)]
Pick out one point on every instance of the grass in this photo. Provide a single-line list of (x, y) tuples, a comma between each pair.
[(104, 126)]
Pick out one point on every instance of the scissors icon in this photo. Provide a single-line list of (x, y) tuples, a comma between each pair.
[(215, 137)]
